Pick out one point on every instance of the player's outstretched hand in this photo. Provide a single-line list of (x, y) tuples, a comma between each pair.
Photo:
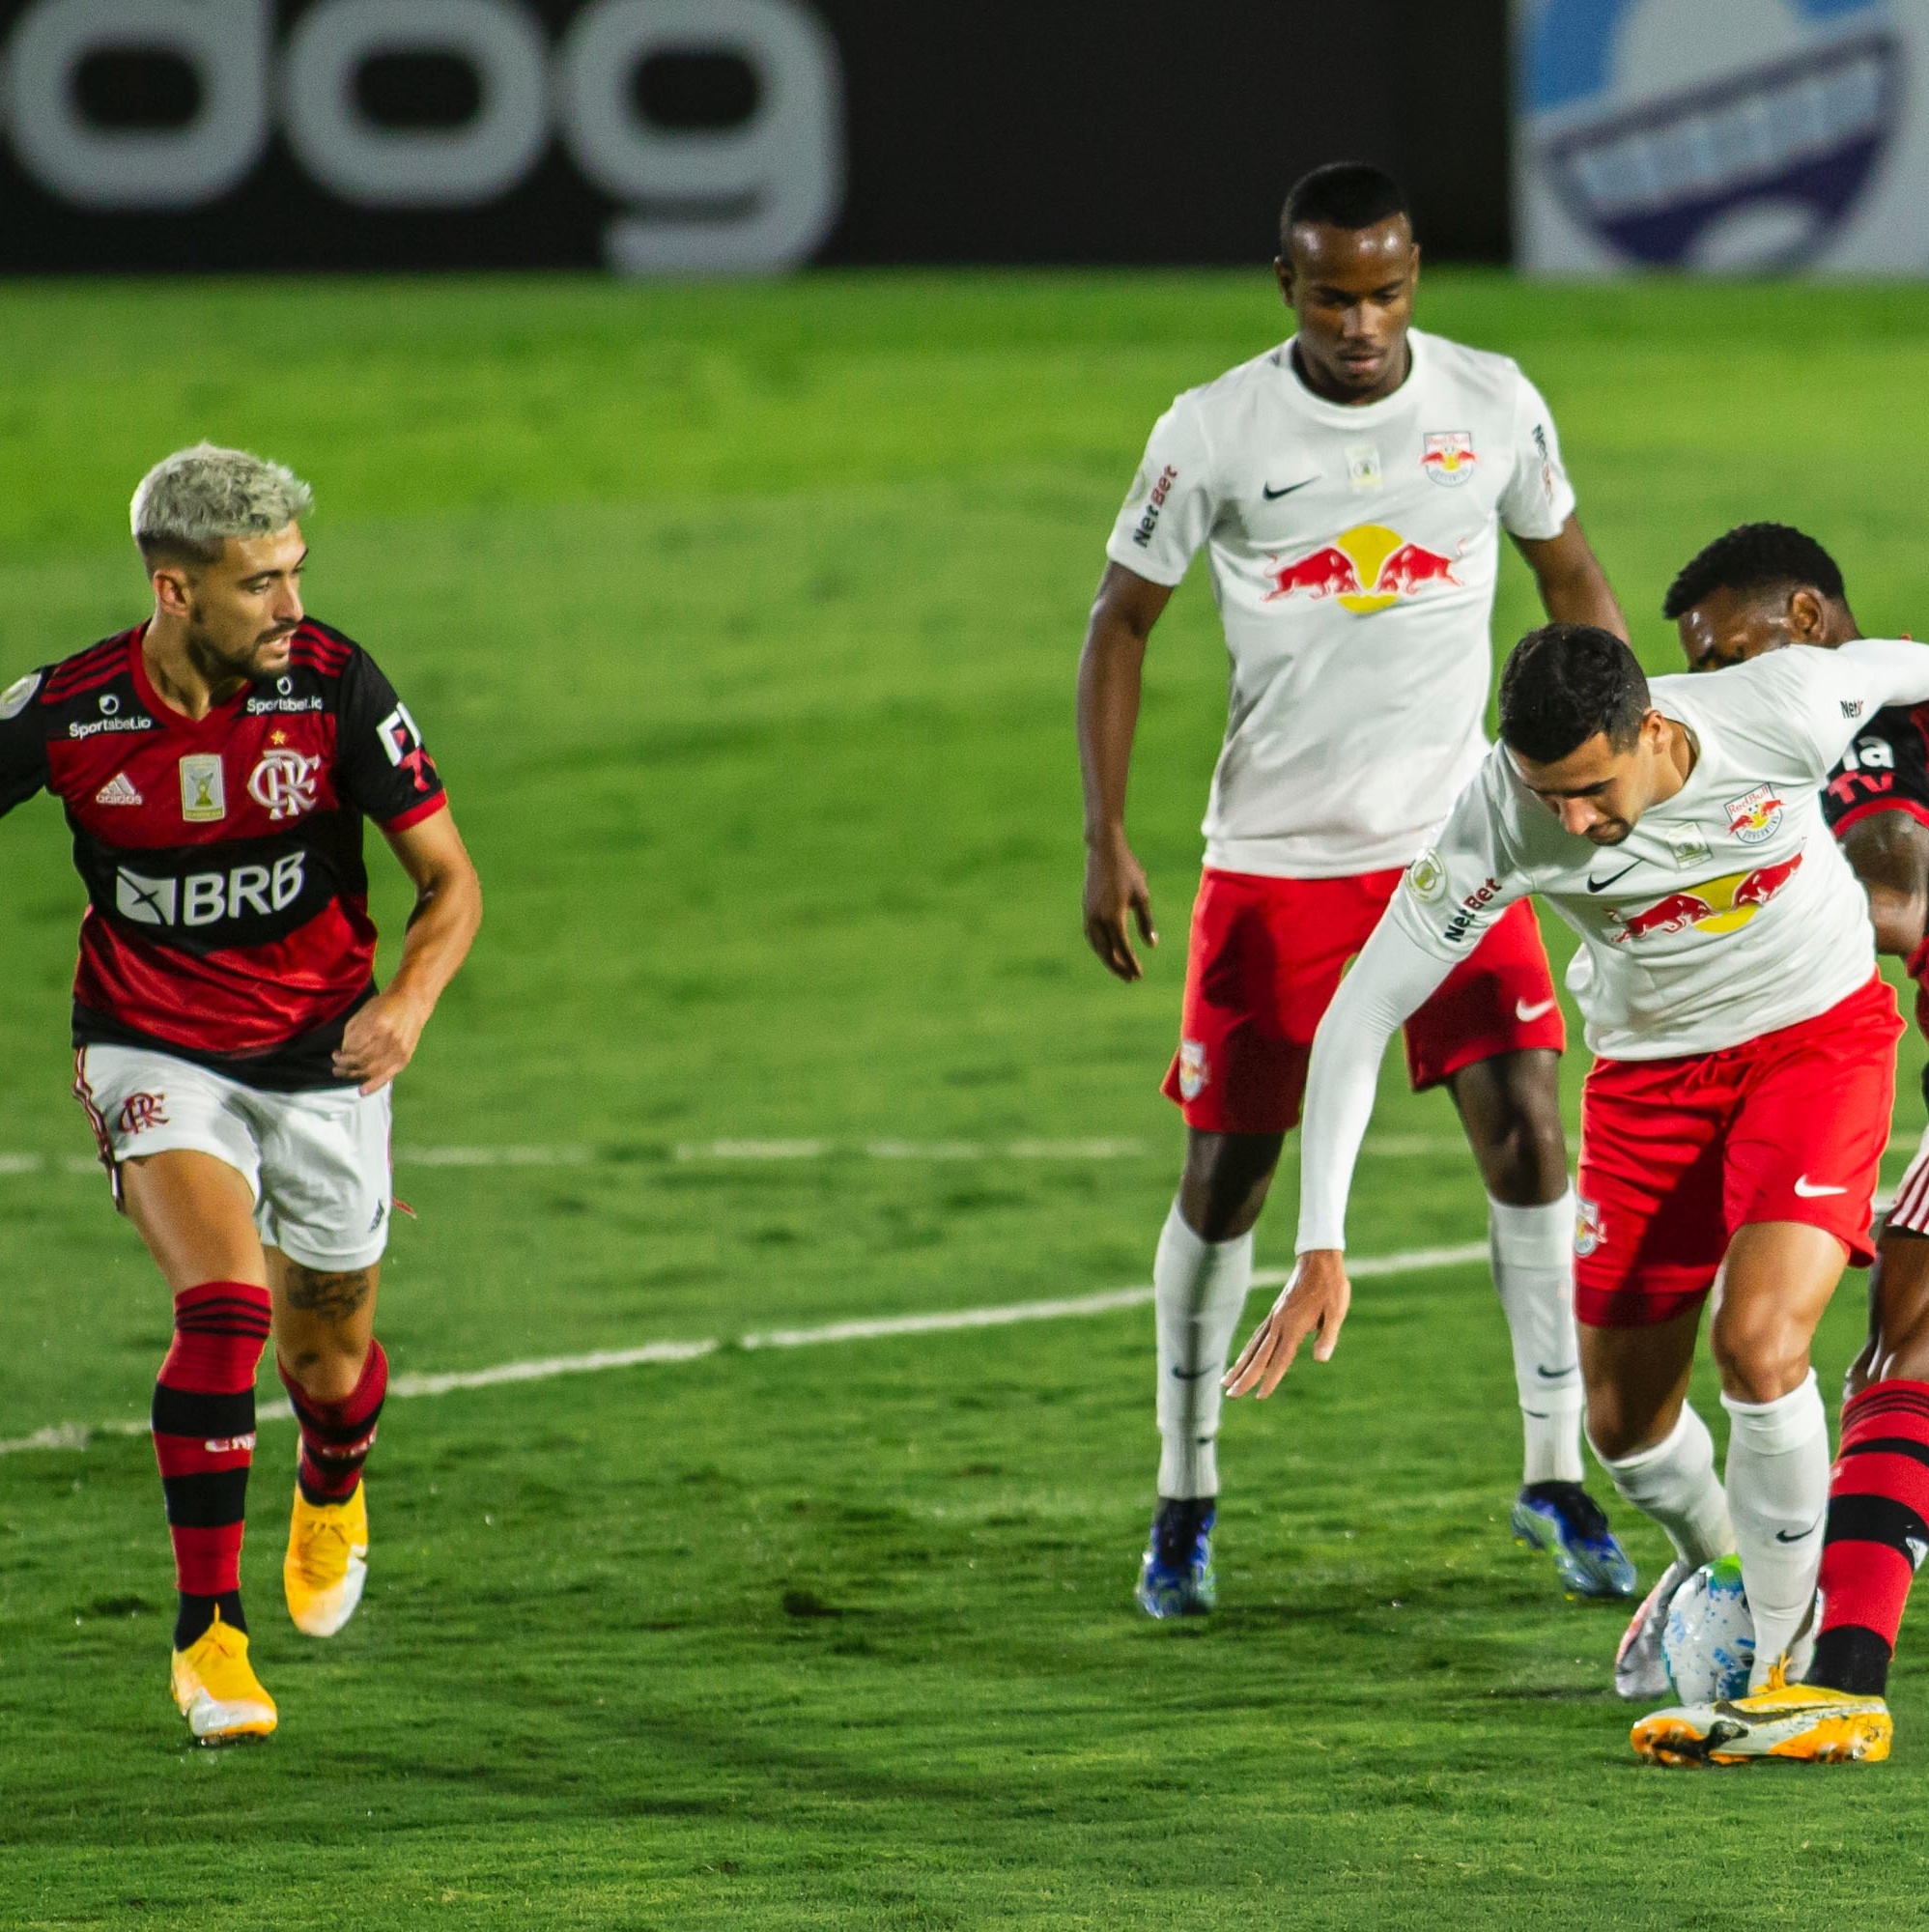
[(1314, 1303), (1114, 887), (379, 1041)]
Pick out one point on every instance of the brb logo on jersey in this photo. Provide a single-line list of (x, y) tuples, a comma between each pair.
[(1716, 906), (1368, 568)]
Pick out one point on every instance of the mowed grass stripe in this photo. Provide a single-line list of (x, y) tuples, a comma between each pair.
[(1106, 1301)]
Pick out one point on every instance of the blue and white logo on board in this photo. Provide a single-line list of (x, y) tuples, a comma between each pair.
[(1722, 136)]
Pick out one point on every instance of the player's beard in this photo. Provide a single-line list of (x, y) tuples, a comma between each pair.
[(220, 666)]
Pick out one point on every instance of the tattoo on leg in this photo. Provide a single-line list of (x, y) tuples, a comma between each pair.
[(336, 1296)]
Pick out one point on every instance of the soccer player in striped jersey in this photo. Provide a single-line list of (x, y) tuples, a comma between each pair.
[(232, 1050), (1761, 588)]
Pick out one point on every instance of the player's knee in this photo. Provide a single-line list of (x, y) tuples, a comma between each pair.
[(1225, 1182), (1762, 1354), (1619, 1425)]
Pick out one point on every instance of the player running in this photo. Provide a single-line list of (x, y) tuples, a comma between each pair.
[(1760, 588), (1348, 488), (1736, 1110), (231, 1051)]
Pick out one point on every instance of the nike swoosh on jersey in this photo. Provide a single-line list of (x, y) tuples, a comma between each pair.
[(1594, 885), (1273, 496), (1813, 1190), (1527, 1014)]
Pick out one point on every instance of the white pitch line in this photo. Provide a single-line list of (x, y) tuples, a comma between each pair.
[(77, 1435)]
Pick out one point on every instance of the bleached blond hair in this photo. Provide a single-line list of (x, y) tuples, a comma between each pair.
[(190, 503)]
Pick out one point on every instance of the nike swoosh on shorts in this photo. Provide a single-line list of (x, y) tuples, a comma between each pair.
[(1527, 1014), (1813, 1190)]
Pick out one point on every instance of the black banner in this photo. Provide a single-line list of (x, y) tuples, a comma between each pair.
[(721, 136)]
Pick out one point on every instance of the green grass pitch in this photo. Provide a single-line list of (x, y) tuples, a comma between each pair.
[(743, 622)]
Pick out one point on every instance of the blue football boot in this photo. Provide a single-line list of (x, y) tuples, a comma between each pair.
[(1176, 1579), (1565, 1520)]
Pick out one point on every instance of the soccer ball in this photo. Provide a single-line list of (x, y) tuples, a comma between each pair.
[(1709, 1640)]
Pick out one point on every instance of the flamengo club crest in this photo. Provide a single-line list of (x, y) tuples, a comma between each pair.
[(284, 781), (1447, 456)]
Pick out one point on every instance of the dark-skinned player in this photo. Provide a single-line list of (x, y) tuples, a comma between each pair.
[(1348, 488), (1758, 588)]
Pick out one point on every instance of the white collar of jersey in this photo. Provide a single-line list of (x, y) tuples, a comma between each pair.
[(1357, 415)]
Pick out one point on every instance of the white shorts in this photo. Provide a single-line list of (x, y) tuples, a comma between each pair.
[(316, 1162), (1910, 1213)]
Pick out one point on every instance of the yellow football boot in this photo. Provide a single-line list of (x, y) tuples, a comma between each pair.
[(327, 1562), (216, 1689), (1803, 1722)]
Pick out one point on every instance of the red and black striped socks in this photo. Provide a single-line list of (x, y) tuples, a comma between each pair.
[(1878, 1533), (337, 1437), (204, 1432)]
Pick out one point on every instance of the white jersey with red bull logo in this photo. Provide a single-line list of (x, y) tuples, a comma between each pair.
[(1728, 912), (1353, 554)]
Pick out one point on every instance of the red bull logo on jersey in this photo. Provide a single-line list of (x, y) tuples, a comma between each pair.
[(1754, 815), (1368, 568), (1716, 906), (1447, 456)]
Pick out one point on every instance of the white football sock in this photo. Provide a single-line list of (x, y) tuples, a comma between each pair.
[(1778, 1491), (1532, 1250), (1199, 1287), (1674, 1483)]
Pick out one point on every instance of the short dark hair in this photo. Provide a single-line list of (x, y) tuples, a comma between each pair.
[(1343, 194), (1753, 557), (1565, 683)]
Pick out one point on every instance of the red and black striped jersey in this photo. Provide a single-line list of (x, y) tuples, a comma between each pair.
[(1884, 769), (227, 917)]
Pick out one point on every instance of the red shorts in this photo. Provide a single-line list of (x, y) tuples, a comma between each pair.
[(1677, 1154), (1265, 958)]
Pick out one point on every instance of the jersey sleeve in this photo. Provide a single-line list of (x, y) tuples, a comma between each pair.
[(1807, 702), (1168, 512), (23, 745), (383, 767), (1539, 498), (1467, 878), (1884, 769)]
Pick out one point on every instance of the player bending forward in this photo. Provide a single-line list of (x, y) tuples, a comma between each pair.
[(1733, 1121), (1761, 588), (1348, 488), (231, 1051)]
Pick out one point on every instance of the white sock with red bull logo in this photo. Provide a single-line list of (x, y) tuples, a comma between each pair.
[(1778, 1491), (1674, 1482), (1199, 1287), (1532, 1252)]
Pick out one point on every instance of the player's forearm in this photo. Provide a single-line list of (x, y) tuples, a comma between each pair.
[(1580, 593), (1390, 980), (1109, 678), (442, 929)]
